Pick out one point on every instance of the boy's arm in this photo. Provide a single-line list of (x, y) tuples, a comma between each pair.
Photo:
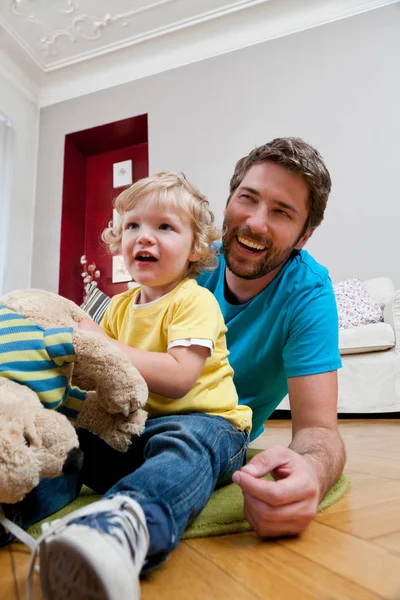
[(171, 374)]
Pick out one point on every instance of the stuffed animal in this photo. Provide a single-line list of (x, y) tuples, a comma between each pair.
[(43, 357), (34, 442)]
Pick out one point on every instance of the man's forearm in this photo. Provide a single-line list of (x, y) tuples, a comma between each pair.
[(325, 449)]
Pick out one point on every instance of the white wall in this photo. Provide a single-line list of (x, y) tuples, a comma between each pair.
[(24, 115), (338, 86)]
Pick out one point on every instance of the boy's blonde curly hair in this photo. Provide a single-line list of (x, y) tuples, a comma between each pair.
[(172, 192)]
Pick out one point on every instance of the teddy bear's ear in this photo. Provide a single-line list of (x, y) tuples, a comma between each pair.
[(17, 477)]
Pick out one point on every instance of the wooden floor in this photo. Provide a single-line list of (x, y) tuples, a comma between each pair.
[(351, 551)]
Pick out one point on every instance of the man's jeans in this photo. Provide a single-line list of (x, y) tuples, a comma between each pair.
[(170, 470)]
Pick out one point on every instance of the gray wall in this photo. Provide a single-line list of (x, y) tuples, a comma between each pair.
[(18, 239), (337, 86)]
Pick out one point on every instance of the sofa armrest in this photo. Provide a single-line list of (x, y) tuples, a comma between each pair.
[(381, 289), (391, 315)]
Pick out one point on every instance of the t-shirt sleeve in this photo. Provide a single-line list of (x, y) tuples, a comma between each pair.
[(195, 315), (312, 345)]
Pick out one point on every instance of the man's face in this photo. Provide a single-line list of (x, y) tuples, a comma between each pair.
[(264, 220)]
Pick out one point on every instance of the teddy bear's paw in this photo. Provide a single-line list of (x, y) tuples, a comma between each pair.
[(129, 396), (116, 430), (104, 368), (119, 435)]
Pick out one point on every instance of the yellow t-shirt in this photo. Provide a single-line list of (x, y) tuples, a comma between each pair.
[(188, 311)]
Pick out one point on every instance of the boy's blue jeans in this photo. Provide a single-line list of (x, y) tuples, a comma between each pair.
[(170, 470)]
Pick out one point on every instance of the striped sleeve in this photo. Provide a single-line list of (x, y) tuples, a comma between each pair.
[(73, 401), (58, 343)]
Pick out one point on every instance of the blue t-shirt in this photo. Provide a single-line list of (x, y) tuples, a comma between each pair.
[(289, 329)]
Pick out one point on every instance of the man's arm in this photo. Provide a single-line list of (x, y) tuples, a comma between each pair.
[(303, 472), (313, 404)]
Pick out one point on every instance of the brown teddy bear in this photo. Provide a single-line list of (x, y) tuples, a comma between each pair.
[(43, 356)]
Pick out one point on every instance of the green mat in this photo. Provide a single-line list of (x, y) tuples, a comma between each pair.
[(222, 515)]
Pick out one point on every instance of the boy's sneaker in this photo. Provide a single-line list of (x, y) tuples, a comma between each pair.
[(95, 553)]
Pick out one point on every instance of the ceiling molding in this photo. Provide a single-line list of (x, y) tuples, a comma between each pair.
[(225, 27), (58, 34), (14, 35), (109, 20)]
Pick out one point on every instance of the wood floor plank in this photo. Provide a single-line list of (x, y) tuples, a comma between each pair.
[(368, 491), (21, 556), (353, 424), (361, 478), (272, 437), (378, 467), (8, 589), (189, 574), (390, 541), (367, 522), (380, 452), (273, 571), (357, 560)]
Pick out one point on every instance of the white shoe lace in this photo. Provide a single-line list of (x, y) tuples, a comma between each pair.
[(17, 531), (129, 527)]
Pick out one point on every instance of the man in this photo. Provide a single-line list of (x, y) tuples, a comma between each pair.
[(280, 311)]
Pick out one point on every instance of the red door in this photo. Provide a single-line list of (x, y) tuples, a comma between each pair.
[(99, 203), (88, 195)]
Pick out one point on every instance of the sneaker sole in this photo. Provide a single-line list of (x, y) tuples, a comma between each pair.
[(69, 571)]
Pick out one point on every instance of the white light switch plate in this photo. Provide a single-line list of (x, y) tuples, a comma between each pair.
[(122, 173)]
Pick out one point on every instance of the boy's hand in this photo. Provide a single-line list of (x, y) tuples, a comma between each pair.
[(89, 325)]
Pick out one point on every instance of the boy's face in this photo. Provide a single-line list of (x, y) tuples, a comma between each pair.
[(156, 247)]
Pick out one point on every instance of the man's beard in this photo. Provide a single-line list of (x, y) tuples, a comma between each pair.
[(245, 268)]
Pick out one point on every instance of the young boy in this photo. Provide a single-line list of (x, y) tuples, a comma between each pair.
[(196, 435)]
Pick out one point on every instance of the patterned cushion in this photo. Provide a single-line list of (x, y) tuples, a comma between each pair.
[(95, 303), (355, 306)]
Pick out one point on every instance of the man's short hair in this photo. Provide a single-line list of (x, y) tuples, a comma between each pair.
[(298, 157)]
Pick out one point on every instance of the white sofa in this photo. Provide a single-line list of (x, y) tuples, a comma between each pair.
[(369, 381)]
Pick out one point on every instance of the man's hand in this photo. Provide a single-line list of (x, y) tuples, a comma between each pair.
[(285, 506), (89, 325)]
